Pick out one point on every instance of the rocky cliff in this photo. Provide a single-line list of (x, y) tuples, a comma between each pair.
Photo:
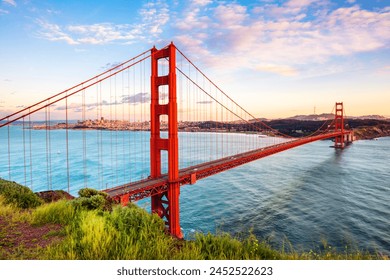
[(371, 132)]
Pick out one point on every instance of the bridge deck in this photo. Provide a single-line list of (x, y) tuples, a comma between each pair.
[(148, 187)]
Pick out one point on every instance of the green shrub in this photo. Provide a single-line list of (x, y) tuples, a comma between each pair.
[(18, 195), (87, 192), (90, 199)]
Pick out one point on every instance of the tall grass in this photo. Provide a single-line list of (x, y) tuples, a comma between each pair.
[(60, 212), (225, 247), (124, 233), (11, 212), (132, 233), (6, 210)]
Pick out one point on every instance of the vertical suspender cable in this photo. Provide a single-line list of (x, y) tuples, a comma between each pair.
[(9, 151), (47, 151), (210, 119), (188, 118), (50, 174), (67, 143), (124, 98), (222, 124), (142, 121), (129, 124), (84, 140), (129, 132), (101, 160), (134, 117), (116, 130), (111, 147), (24, 154), (98, 137), (31, 171)]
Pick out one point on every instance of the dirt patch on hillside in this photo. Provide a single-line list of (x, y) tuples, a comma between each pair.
[(51, 196), (20, 239)]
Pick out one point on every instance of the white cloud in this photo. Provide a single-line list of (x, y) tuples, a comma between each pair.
[(102, 33), (10, 2), (138, 98), (201, 2), (230, 15), (194, 17), (299, 3), (154, 17), (3, 12), (277, 38), (257, 39), (54, 32), (53, 12)]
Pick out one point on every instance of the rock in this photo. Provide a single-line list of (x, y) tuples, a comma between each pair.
[(50, 196)]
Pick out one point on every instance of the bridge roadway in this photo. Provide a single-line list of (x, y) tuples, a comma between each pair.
[(151, 186)]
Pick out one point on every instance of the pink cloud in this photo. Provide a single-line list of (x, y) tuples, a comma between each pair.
[(249, 38)]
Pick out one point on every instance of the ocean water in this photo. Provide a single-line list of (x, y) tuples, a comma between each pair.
[(300, 197)]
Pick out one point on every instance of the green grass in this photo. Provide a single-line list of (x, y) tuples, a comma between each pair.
[(91, 232), (132, 233), (60, 212), (124, 233)]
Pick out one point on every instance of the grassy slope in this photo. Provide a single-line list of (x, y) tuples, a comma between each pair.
[(124, 233)]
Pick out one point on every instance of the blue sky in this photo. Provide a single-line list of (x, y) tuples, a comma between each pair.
[(276, 58)]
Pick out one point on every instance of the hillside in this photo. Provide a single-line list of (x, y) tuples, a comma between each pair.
[(363, 128), (86, 229)]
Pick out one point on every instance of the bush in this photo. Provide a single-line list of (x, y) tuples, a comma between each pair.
[(19, 195), (87, 192), (91, 199)]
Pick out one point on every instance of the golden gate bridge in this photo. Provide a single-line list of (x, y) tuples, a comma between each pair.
[(189, 117)]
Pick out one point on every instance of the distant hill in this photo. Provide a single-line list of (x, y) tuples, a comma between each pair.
[(371, 117), (312, 117), (258, 120), (324, 117)]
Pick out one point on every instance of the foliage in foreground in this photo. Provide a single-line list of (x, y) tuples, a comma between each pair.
[(18, 195), (90, 199), (129, 232)]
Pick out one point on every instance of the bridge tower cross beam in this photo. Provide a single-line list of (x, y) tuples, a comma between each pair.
[(166, 205), (339, 126)]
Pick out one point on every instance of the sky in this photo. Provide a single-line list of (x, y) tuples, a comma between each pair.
[(275, 58)]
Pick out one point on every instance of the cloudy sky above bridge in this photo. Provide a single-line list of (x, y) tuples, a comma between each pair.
[(277, 58)]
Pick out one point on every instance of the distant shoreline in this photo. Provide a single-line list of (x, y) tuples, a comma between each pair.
[(363, 129)]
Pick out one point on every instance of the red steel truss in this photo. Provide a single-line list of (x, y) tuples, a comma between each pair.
[(159, 186)]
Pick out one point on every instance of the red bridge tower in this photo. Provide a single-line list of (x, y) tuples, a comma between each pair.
[(339, 142), (166, 204)]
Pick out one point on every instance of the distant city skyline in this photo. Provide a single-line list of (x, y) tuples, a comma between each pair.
[(275, 58)]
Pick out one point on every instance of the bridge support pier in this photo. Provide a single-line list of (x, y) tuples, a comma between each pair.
[(166, 205)]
